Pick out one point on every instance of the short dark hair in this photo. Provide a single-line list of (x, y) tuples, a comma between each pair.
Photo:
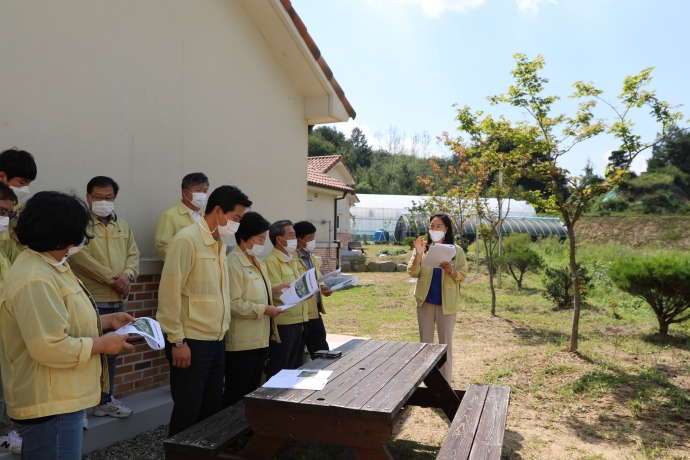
[(18, 163), (6, 193), (102, 181), (277, 229), (53, 220), (227, 197), (252, 224), (448, 222), (303, 228), (197, 178)]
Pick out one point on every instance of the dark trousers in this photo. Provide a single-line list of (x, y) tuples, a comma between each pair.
[(197, 392), (106, 308), (314, 336), (284, 355), (243, 371)]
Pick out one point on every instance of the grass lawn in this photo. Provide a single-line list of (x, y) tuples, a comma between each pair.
[(624, 395)]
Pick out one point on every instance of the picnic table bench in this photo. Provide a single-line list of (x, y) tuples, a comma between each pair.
[(371, 386), (355, 245)]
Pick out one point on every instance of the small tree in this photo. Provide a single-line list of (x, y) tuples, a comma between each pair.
[(661, 281), (519, 262), (560, 287)]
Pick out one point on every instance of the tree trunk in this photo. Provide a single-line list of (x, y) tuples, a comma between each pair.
[(490, 263), (576, 291), (663, 329)]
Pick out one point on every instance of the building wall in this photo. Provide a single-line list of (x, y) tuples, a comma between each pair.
[(146, 92), (320, 209)]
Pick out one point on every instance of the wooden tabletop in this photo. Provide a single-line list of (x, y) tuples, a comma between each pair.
[(372, 379)]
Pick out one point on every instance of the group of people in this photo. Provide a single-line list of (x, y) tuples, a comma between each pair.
[(67, 266)]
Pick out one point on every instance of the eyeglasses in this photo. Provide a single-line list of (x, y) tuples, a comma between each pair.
[(11, 213)]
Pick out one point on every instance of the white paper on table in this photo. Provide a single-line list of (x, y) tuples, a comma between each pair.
[(328, 275), (437, 254), (345, 284), (299, 379), (149, 328), (304, 287)]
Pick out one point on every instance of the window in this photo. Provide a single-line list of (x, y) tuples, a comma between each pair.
[(337, 222)]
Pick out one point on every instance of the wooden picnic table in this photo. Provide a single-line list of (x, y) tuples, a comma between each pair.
[(367, 393)]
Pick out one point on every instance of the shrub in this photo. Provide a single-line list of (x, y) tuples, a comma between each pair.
[(661, 281), (657, 203), (409, 241), (683, 210), (392, 252), (463, 242), (559, 284), (616, 204), (520, 261), (515, 241)]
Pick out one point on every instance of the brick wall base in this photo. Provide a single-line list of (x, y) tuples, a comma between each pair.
[(141, 369)]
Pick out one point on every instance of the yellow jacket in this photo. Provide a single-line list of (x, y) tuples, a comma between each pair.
[(47, 325), (250, 292), (111, 252), (9, 251), (169, 224), (281, 271), (194, 294), (314, 307), (451, 287)]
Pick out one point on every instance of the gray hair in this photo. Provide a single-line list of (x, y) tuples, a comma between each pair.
[(277, 229)]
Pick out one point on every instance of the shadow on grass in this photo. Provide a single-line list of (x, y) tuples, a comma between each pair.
[(539, 336), (655, 405), (679, 340), (512, 445), (405, 449)]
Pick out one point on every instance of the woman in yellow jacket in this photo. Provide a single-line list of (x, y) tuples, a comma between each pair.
[(52, 351), (251, 296), (437, 291)]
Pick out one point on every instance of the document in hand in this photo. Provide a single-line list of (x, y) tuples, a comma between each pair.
[(345, 284), (149, 328), (299, 379), (328, 275), (438, 253), (305, 286)]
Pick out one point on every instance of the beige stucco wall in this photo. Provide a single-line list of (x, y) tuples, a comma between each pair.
[(320, 207), (146, 91)]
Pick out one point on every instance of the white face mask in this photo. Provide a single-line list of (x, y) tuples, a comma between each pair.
[(436, 235), (102, 208), (290, 245), (64, 259), (228, 229), (310, 246), (75, 249), (4, 224), (21, 192), (198, 200), (256, 250)]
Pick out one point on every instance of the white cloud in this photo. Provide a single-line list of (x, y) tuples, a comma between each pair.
[(639, 164), (434, 8), (532, 6)]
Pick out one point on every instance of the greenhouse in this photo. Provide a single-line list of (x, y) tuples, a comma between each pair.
[(380, 218)]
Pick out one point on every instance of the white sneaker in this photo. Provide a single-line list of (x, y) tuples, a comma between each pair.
[(15, 442), (85, 421), (5, 443), (114, 408)]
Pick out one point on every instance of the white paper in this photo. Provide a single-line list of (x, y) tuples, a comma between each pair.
[(328, 275), (438, 253), (345, 284), (299, 379), (304, 287), (149, 328)]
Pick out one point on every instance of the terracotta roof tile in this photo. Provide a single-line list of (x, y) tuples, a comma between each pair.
[(317, 169), (299, 24)]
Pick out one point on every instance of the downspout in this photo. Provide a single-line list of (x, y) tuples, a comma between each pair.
[(335, 227)]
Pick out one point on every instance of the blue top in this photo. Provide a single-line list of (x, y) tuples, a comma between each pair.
[(435, 290)]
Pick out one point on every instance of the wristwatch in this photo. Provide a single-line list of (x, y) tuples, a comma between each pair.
[(179, 342), (131, 277)]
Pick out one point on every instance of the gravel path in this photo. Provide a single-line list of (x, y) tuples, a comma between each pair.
[(146, 446)]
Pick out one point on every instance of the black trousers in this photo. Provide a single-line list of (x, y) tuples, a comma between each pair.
[(285, 355), (314, 336), (197, 392), (243, 371)]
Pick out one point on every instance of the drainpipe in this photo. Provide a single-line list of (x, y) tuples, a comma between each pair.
[(335, 227)]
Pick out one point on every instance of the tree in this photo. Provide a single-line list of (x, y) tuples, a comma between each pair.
[(362, 150), (318, 146), (553, 135), (589, 178), (519, 262), (662, 281), (674, 151), (618, 159)]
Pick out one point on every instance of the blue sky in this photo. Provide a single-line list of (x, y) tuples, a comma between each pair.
[(404, 63)]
